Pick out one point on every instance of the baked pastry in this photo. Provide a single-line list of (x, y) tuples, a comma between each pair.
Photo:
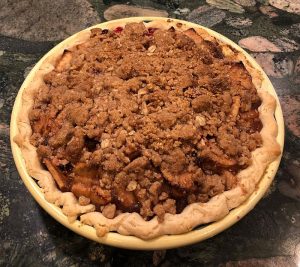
[(147, 129)]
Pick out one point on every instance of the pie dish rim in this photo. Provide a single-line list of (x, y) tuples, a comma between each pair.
[(166, 241)]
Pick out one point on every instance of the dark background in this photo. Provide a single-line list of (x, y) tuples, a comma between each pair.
[(268, 236)]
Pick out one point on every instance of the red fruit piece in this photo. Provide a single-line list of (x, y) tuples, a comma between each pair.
[(118, 29), (151, 31)]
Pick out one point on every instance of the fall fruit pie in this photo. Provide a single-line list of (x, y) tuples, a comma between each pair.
[(147, 129)]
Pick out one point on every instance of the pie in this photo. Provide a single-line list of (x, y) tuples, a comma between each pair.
[(147, 129)]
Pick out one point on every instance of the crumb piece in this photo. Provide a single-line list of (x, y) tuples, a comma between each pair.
[(84, 200), (109, 211), (101, 231)]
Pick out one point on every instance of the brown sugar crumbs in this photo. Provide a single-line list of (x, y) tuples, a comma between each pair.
[(145, 120)]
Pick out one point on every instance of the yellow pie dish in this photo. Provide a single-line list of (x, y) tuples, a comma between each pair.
[(167, 241)]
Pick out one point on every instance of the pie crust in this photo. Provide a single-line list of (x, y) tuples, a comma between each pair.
[(132, 223)]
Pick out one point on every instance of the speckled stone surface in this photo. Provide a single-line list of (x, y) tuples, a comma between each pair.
[(268, 236)]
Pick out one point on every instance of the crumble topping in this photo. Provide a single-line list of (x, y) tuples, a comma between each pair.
[(145, 120)]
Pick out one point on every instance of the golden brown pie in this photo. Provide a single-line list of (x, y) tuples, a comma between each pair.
[(147, 129)]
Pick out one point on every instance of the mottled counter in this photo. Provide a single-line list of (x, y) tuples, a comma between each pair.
[(267, 236)]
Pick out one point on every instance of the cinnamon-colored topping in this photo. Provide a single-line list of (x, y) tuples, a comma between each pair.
[(145, 120)]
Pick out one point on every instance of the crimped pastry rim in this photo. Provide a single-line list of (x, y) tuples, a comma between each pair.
[(130, 241)]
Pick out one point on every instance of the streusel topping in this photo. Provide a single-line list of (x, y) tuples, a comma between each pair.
[(145, 120)]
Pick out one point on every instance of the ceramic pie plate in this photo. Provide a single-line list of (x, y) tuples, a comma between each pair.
[(166, 241)]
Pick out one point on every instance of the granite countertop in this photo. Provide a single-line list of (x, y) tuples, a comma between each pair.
[(268, 236)]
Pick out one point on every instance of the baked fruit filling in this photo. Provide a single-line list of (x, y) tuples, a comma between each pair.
[(145, 120)]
